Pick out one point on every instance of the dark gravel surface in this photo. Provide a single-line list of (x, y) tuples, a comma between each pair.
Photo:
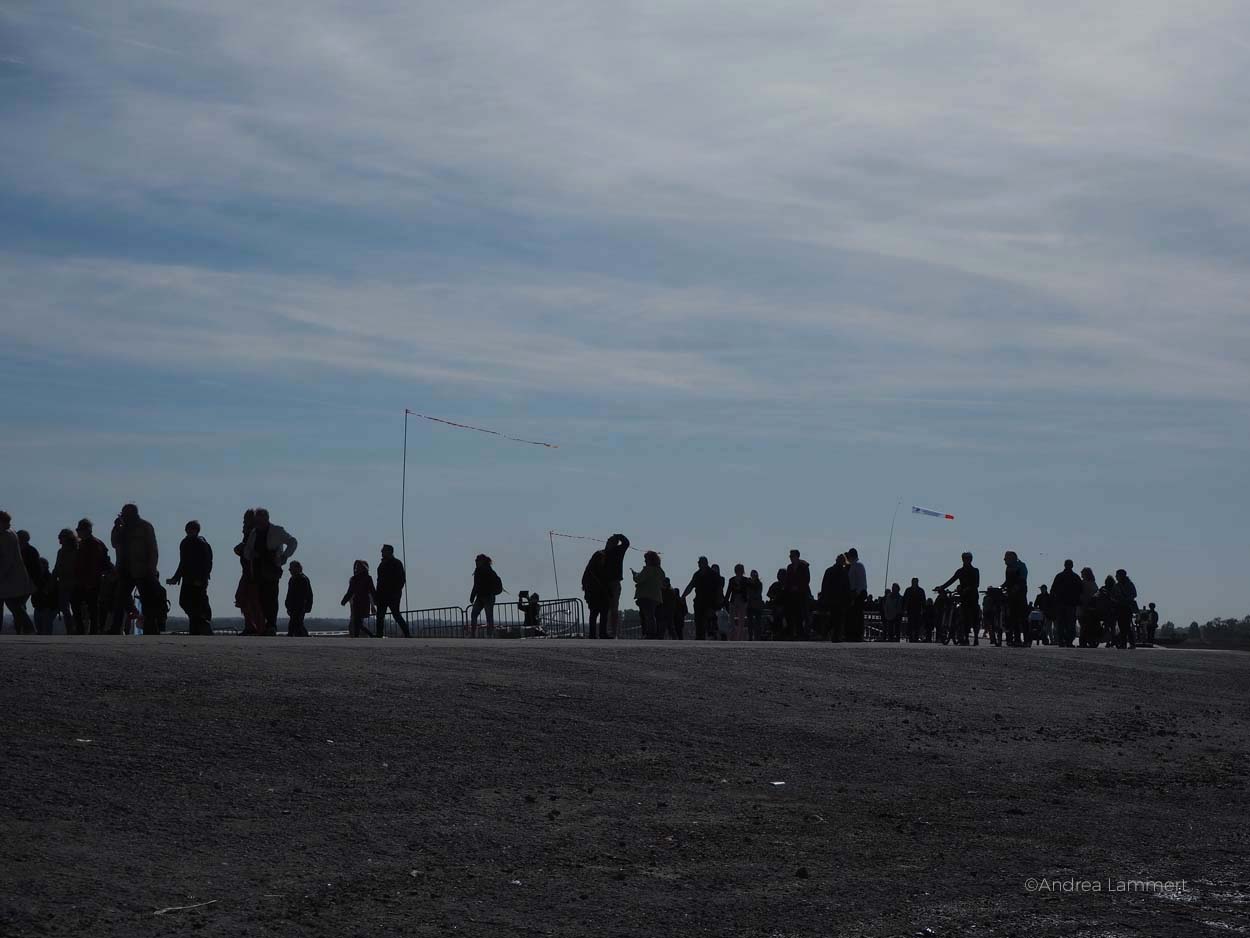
[(339, 788)]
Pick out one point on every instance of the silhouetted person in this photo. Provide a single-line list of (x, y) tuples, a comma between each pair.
[(755, 607), (134, 542), (1125, 607), (969, 579), (737, 601), (1065, 604), (857, 576), (361, 594), (664, 615), (892, 614), (15, 583), (195, 568), (299, 600), (1089, 614), (391, 580), (649, 593), (613, 573), (90, 562), (43, 599), (1107, 609), (1152, 623), (777, 606), (246, 596), (913, 606), (930, 621), (268, 549), (706, 586), (677, 625), (63, 577), (1042, 604), (486, 587), (798, 596), (595, 589), (993, 612), (1016, 591), (835, 596)]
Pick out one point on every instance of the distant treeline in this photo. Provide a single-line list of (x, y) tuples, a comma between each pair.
[(1227, 633)]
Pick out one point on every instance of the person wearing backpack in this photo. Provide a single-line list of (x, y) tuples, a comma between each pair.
[(486, 586)]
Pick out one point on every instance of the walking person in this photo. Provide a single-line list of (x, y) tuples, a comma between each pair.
[(1088, 611), (195, 568), (299, 601), (486, 587), (857, 577), (1125, 607), (737, 601), (755, 607), (649, 593), (361, 594), (835, 596), (391, 580), (134, 542), (913, 606), (268, 549), (1065, 603), (706, 586), (91, 560), (63, 577)]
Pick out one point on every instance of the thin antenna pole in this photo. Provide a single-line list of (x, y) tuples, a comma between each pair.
[(551, 537), (885, 587), (403, 506)]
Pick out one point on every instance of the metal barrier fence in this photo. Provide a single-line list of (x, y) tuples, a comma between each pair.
[(556, 618)]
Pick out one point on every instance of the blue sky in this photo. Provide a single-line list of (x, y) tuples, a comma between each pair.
[(761, 272)]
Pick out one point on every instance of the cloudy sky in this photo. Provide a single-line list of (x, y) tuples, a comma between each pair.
[(761, 270)]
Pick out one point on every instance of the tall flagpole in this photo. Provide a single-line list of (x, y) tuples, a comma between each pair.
[(551, 537), (885, 588), (403, 504)]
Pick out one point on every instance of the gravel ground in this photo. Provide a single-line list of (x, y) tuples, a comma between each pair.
[(345, 788)]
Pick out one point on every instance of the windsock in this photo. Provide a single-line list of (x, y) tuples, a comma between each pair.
[(931, 513)]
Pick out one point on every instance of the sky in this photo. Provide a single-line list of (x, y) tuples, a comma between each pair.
[(763, 271)]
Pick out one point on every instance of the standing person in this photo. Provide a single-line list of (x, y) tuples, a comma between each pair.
[(913, 606), (613, 573), (1088, 613), (43, 599), (134, 541), (1042, 604), (798, 596), (246, 597), (595, 588), (777, 606), (649, 593), (892, 614), (992, 615), (63, 577), (706, 586), (677, 625), (15, 582), (1016, 588), (299, 601), (268, 549), (1065, 601), (857, 577), (930, 621), (486, 586), (91, 560), (1107, 610), (737, 601), (361, 594), (195, 568), (391, 580), (835, 596), (721, 617), (1126, 606), (1152, 623), (755, 607)]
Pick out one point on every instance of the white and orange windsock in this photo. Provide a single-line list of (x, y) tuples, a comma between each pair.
[(916, 510)]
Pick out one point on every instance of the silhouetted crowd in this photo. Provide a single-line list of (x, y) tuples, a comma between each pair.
[(94, 594)]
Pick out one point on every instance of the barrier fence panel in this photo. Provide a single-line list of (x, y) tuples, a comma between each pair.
[(440, 622), (556, 618)]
